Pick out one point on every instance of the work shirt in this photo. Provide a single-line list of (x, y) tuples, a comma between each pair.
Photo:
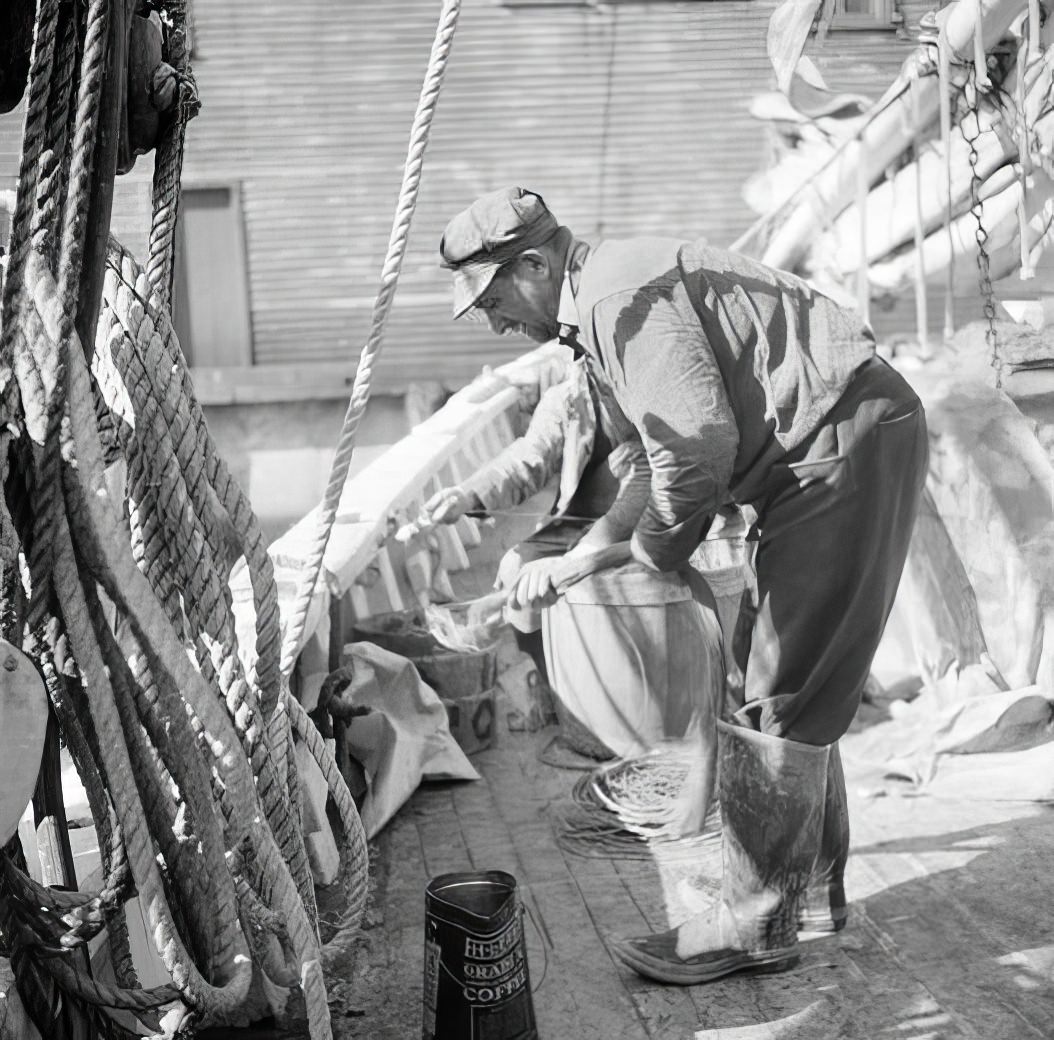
[(722, 364), (602, 466)]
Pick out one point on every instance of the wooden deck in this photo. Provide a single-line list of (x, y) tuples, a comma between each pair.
[(951, 933)]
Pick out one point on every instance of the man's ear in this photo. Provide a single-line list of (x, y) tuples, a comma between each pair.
[(534, 264)]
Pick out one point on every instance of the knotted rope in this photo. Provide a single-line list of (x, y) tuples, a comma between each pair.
[(360, 392), (168, 158), (189, 768)]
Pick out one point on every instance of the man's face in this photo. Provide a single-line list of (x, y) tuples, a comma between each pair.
[(522, 298)]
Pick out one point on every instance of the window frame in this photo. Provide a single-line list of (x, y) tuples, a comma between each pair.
[(881, 18)]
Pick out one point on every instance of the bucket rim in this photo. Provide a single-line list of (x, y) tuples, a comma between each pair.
[(464, 878)]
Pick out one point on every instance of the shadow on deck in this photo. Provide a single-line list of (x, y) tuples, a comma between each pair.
[(949, 933)]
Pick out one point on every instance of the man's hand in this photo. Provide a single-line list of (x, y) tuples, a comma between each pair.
[(448, 505), (535, 586)]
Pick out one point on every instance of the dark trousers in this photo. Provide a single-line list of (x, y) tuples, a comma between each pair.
[(834, 521)]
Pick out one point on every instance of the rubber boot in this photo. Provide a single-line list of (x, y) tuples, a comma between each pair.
[(823, 907), (771, 794)]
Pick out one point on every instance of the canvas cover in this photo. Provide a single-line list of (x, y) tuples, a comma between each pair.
[(975, 611)]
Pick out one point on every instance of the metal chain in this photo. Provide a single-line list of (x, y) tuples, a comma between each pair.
[(984, 278)]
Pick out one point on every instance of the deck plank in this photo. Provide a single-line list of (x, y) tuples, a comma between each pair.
[(949, 935), (585, 1002)]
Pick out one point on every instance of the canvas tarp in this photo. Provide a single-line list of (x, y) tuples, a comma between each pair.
[(976, 606), (403, 739)]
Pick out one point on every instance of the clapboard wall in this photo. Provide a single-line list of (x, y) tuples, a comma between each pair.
[(629, 118)]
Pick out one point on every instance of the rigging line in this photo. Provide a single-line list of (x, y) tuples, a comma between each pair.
[(360, 393), (881, 106)]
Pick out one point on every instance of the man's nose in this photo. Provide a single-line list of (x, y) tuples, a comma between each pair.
[(497, 323)]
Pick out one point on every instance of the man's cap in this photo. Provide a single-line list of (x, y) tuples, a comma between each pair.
[(494, 230)]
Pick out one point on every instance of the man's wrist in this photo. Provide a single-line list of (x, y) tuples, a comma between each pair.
[(640, 554)]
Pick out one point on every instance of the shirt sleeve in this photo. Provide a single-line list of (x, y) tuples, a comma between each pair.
[(531, 461), (629, 463), (668, 383)]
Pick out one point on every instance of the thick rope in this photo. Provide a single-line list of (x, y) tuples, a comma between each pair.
[(161, 417), (71, 256), (168, 158), (39, 325), (88, 513), (114, 568), (20, 238), (157, 740), (33, 136), (82, 744), (264, 671), (89, 92), (166, 760), (356, 858), (61, 111), (360, 392)]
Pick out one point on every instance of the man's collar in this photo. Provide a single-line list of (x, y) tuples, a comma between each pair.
[(567, 314)]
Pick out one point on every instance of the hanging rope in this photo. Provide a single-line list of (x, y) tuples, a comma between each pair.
[(189, 765), (921, 303), (1024, 156), (70, 259), (360, 393), (863, 282), (168, 158), (945, 97)]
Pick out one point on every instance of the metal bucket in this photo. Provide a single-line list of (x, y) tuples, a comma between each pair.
[(476, 982)]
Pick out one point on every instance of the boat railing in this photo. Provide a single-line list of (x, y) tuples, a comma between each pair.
[(365, 569)]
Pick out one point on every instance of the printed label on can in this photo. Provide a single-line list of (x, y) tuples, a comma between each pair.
[(492, 946), (499, 991), (433, 952), (494, 970)]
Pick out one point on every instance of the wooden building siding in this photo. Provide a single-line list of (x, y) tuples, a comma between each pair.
[(630, 119)]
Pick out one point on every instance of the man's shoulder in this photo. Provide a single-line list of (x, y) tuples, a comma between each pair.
[(619, 265)]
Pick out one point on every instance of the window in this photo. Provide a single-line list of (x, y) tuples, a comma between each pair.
[(211, 292), (547, 3), (864, 14), (582, 3)]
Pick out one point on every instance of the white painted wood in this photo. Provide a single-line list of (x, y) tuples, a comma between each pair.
[(27, 835), (452, 554), (490, 441), (503, 427), (467, 527), (359, 601), (389, 580), (23, 719)]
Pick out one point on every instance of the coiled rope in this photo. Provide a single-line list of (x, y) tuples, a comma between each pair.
[(189, 767), (168, 158), (360, 392)]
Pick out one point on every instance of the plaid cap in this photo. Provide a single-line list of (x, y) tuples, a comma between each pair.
[(494, 230)]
